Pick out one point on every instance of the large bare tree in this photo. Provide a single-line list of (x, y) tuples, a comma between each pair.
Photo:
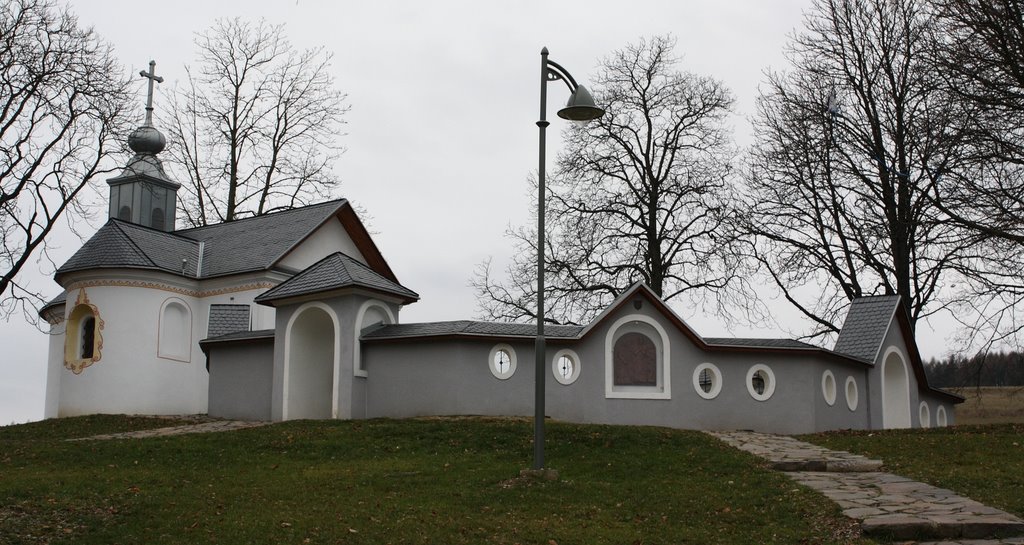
[(62, 110), (849, 143), (637, 195), (979, 54), (255, 126)]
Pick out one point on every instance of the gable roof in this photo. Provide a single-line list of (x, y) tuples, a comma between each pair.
[(246, 245), (258, 242), (333, 272), (866, 324)]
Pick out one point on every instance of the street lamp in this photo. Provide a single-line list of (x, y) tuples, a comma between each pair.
[(580, 107)]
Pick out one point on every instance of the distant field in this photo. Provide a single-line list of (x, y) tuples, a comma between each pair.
[(991, 405)]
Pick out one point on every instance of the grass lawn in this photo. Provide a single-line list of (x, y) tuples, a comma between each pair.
[(385, 481), (985, 463)]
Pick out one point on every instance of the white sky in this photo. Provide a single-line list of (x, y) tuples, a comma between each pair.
[(441, 134)]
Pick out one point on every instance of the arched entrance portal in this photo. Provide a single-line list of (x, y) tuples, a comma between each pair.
[(310, 365), (895, 391)]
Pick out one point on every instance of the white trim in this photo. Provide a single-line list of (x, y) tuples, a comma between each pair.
[(664, 390), (357, 363), (924, 415), (940, 417), (716, 380), (888, 328), (852, 400), (886, 424), (288, 355), (565, 381), (769, 383), (160, 353), (511, 364), (826, 378), (634, 291)]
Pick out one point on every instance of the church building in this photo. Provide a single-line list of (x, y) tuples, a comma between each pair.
[(296, 314)]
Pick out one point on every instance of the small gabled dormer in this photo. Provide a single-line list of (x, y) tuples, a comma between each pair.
[(143, 193)]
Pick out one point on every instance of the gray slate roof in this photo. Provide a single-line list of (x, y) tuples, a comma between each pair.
[(245, 245), (144, 165), (254, 244), (334, 272), (865, 327), (758, 343), (471, 328), (60, 299), (225, 319), (241, 335)]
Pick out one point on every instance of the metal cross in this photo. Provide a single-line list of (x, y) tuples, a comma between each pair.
[(152, 77)]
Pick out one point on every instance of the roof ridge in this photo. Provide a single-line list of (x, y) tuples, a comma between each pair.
[(181, 232), (117, 223)]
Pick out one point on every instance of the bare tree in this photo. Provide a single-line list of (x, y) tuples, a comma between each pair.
[(255, 126), (62, 110), (637, 195), (850, 142), (979, 55)]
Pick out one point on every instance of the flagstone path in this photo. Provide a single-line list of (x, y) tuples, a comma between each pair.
[(887, 505), (202, 425)]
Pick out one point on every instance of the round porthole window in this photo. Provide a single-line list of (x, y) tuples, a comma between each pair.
[(828, 387), (940, 416), (566, 367), (925, 415), (761, 382), (851, 393), (502, 361), (707, 380)]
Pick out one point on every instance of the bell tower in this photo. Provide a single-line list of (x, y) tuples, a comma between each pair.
[(142, 193)]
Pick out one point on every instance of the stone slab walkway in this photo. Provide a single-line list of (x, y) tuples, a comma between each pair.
[(787, 454), (887, 505), (201, 427)]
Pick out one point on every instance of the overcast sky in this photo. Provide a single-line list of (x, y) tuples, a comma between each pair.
[(440, 137)]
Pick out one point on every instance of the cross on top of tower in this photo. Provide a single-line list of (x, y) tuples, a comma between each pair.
[(153, 78)]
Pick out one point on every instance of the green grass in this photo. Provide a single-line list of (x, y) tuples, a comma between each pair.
[(984, 463), (384, 481)]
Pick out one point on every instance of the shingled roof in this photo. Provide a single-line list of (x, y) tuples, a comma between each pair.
[(865, 327), (123, 244), (759, 343), (334, 272), (469, 328), (250, 244), (256, 243)]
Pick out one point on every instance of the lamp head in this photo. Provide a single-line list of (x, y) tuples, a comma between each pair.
[(580, 106)]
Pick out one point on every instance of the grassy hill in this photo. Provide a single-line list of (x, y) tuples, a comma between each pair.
[(452, 480)]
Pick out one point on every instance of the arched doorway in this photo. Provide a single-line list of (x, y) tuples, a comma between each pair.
[(309, 365), (895, 391)]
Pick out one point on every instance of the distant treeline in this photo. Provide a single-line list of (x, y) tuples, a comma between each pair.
[(983, 369)]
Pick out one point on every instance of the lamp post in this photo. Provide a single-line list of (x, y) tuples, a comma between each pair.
[(580, 107)]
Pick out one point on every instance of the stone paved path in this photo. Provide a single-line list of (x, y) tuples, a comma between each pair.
[(787, 454), (887, 505), (203, 426)]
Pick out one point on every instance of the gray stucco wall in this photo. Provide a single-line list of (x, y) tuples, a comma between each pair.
[(420, 377), (241, 379), (452, 376), (351, 389), (839, 415)]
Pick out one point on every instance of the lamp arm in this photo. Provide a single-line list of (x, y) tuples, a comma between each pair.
[(556, 71)]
